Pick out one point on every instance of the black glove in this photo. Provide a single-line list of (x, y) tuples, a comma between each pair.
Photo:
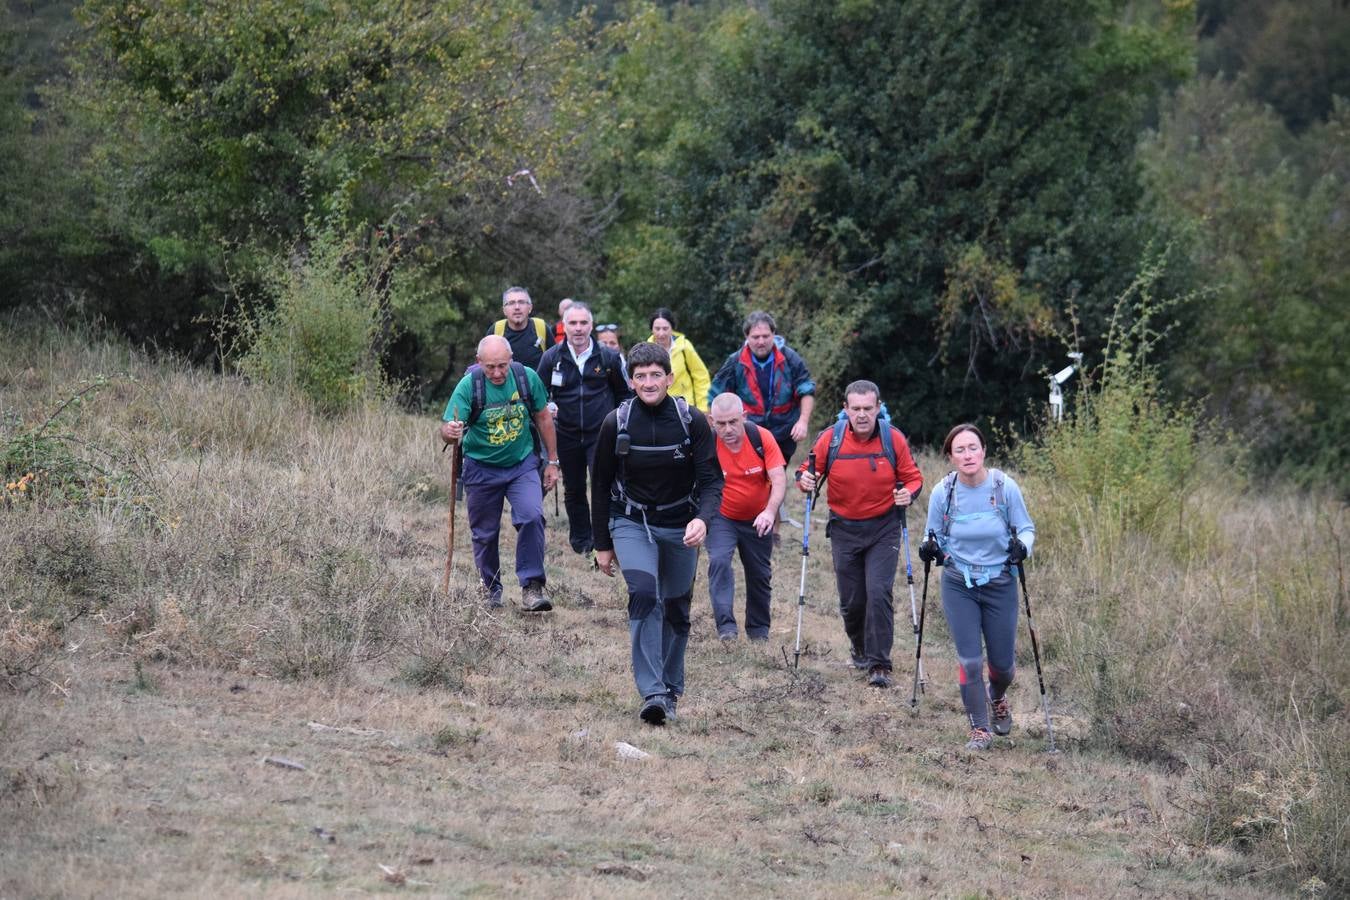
[(1017, 551), (930, 552)]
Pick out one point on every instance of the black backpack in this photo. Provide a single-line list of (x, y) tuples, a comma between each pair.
[(623, 444)]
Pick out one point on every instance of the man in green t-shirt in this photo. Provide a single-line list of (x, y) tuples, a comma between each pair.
[(500, 464)]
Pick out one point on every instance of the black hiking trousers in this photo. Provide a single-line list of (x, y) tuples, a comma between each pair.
[(866, 552)]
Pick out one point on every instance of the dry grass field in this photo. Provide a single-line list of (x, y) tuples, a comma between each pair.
[(228, 670)]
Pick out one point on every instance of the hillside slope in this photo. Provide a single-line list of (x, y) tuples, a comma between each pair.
[(210, 588)]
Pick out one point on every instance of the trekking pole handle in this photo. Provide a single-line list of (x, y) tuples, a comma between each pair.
[(811, 464)]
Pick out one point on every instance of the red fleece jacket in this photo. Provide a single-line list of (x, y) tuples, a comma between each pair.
[(862, 488)]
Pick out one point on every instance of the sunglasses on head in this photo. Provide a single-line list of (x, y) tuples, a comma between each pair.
[(610, 327)]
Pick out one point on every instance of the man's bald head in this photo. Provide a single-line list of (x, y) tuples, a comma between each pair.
[(494, 357), (726, 414), (727, 403)]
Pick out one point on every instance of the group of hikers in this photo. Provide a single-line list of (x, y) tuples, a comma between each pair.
[(678, 459)]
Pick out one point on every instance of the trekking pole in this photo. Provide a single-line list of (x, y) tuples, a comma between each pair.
[(1036, 652), (918, 637), (806, 551), (909, 579)]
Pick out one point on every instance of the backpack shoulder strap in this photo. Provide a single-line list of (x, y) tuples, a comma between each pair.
[(888, 446), (522, 385), (477, 395), (756, 439), (682, 406), (499, 327), (1001, 498), (541, 330), (948, 487), (832, 453)]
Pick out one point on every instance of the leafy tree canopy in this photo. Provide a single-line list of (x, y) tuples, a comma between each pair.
[(916, 188)]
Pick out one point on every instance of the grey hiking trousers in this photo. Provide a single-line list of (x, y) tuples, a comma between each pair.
[(988, 611)]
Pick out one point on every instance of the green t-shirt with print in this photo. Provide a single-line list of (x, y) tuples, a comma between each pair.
[(501, 436)]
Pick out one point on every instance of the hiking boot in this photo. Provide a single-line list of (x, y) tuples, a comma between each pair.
[(653, 710), (727, 637), (1000, 714), (858, 660), (532, 598), (879, 677), (979, 739), (672, 701)]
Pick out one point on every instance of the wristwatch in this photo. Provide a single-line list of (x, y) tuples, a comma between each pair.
[(555, 462)]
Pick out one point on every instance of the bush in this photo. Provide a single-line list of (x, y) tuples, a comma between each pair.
[(447, 638), (318, 336), (1201, 628), (1122, 456)]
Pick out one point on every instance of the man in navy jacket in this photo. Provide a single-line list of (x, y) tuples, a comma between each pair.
[(585, 382)]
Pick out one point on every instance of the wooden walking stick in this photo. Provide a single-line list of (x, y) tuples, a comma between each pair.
[(450, 527)]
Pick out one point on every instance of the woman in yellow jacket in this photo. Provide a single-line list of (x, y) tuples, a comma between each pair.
[(691, 379)]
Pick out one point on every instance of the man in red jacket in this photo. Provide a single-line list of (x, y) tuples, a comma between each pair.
[(870, 475)]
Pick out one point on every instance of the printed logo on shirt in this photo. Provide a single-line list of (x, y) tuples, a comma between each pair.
[(677, 454), (505, 424)]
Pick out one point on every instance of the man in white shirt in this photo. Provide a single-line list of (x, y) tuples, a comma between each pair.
[(585, 382)]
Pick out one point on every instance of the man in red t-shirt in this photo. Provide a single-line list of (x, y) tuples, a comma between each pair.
[(865, 489), (754, 481)]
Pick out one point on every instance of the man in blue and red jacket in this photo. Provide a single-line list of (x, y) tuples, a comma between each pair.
[(772, 381)]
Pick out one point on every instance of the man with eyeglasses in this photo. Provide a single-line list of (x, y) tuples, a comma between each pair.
[(527, 336), (585, 382)]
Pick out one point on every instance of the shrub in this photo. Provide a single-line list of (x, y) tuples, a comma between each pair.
[(1123, 456), (318, 336), (1201, 628), (444, 639)]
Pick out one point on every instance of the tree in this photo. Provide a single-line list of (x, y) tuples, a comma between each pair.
[(1267, 214), (915, 188), (228, 127)]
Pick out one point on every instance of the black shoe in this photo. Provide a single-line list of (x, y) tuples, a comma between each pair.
[(672, 701), (532, 598), (858, 660), (879, 677), (653, 710)]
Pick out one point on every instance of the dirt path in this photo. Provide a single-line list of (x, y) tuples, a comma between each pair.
[(770, 783)]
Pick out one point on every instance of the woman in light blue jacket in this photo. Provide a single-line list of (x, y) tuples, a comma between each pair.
[(980, 532)]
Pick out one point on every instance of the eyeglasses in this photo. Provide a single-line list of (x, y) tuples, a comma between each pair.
[(610, 327)]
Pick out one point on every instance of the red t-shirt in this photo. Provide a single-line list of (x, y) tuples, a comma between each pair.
[(745, 489)]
